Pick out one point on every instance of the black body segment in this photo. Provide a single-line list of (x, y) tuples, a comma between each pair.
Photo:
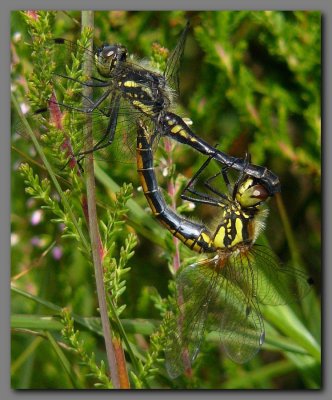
[(174, 127), (194, 235)]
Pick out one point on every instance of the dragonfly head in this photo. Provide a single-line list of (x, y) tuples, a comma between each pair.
[(107, 58), (250, 193)]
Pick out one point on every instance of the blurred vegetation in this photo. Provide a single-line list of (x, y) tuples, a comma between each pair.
[(249, 81)]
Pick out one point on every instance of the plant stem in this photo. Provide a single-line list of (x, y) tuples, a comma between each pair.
[(87, 21), (288, 231)]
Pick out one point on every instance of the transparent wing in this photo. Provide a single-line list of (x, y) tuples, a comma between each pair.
[(274, 283), (122, 149), (259, 274), (251, 275), (223, 294), (173, 63), (239, 323), (214, 295), (236, 315), (195, 292)]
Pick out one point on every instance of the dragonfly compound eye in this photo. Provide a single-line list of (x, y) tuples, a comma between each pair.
[(250, 194), (108, 56)]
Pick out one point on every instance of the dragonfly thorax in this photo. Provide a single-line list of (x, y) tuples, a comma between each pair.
[(146, 91), (107, 58), (239, 229)]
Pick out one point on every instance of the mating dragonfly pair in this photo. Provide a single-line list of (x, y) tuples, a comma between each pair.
[(224, 291)]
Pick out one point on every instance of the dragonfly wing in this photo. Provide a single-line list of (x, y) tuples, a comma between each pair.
[(234, 312), (173, 63), (72, 122), (195, 293), (241, 326), (224, 293), (259, 274), (276, 284)]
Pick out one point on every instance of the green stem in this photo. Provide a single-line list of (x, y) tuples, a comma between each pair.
[(87, 21), (288, 231)]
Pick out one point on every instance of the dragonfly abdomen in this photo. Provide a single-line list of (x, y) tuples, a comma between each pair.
[(174, 127), (194, 235)]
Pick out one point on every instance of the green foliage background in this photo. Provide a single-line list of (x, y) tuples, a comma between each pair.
[(250, 81)]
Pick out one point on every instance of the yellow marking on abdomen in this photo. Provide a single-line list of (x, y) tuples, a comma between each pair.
[(140, 164), (176, 128), (206, 238), (143, 182)]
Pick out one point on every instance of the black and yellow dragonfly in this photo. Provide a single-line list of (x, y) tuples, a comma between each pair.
[(224, 291), (125, 90)]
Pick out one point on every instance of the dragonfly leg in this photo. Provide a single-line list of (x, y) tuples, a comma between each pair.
[(95, 82), (111, 128), (242, 174), (95, 105), (201, 197), (223, 172)]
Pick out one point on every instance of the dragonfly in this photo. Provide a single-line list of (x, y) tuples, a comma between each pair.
[(126, 90), (224, 291)]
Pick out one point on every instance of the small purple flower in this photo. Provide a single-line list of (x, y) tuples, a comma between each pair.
[(57, 252), (25, 108), (36, 241), (36, 217), (61, 227)]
